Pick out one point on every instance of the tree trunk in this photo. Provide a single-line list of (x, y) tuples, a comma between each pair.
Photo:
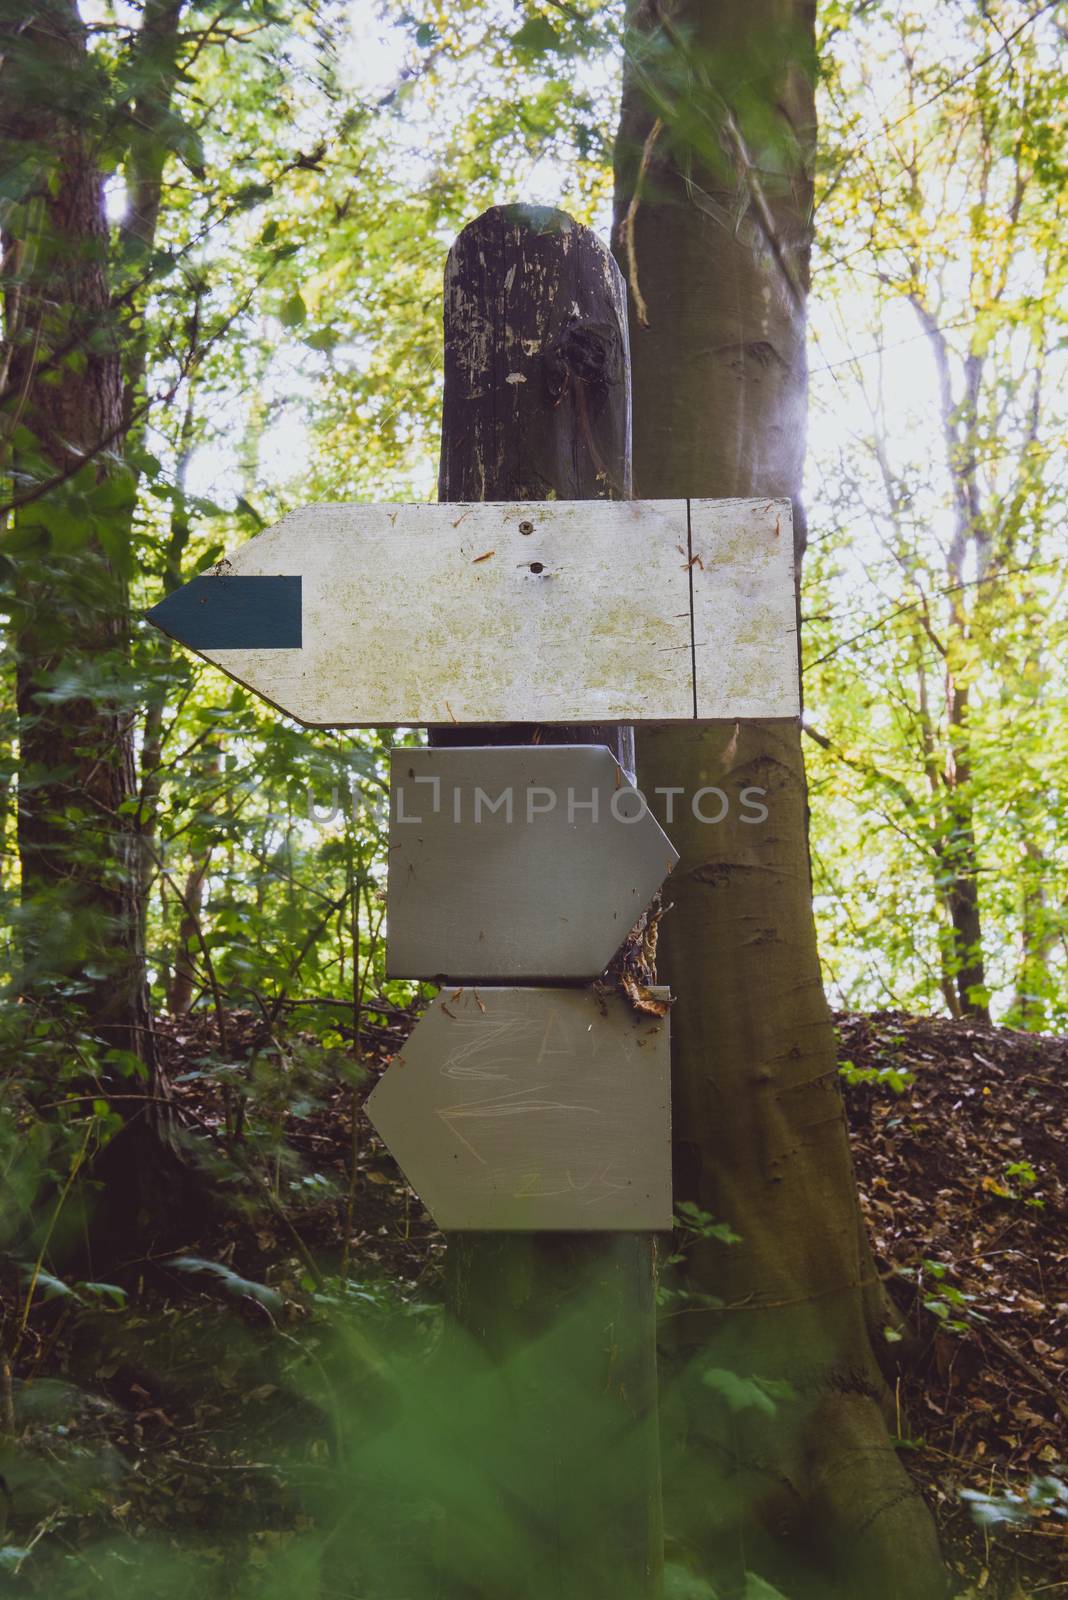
[(64, 421), (961, 855), (184, 980), (959, 846), (152, 735), (1039, 928), (63, 413), (537, 406), (713, 208)]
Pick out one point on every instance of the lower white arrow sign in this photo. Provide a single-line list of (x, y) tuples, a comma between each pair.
[(526, 1110)]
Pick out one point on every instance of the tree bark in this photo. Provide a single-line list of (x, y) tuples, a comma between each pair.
[(1039, 929), (961, 860), (63, 421), (713, 215), (77, 845), (958, 852), (537, 406)]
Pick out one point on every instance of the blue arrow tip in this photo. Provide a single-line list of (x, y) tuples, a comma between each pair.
[(228, 612)]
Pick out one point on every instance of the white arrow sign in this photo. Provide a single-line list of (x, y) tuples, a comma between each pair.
[(526, 863), (532, 1109), (556, 611)]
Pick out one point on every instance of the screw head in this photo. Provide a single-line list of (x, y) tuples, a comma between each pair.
[(526, 527)]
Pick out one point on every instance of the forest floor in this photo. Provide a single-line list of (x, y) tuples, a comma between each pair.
[(963, 1178), (198, 1420)]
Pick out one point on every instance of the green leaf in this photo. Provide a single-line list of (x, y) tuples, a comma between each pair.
[(209, 558), (756, 1588), (745, 1394), (67, 523), (26, 538), (237, 1287), (105, 1291), (535, 38), (322, 339), (988, 1510), (293, 312), (50, 1287), (205, 508), (1049, 1492), (691, 1219), (126, 1064), (245, 509), (250, 194), (144, 462)]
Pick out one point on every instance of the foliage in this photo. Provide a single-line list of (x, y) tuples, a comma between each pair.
[(285, 318), (1043, 1494), (285, 311), (893, 1077), (934, 593), (739, 1394), (276, 327)]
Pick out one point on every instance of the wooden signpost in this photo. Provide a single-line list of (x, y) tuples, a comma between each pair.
[(537, 596), (536, 407), (402, 615)]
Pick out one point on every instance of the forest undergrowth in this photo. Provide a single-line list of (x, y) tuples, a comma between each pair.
[(237, 1413)]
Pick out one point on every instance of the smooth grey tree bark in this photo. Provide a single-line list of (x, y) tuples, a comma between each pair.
[(777, 1452)]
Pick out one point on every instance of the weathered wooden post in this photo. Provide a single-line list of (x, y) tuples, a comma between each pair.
[(537, 407)]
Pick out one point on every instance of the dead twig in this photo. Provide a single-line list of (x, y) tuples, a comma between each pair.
[(1025, 1365), (7, 1400), (626, 227)]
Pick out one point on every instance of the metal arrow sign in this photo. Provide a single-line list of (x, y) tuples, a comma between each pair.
[(531, 1109), (555, 611), (528, 862)]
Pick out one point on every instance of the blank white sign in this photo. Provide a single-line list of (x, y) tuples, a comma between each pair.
[(519, 1110), (549, 611)]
